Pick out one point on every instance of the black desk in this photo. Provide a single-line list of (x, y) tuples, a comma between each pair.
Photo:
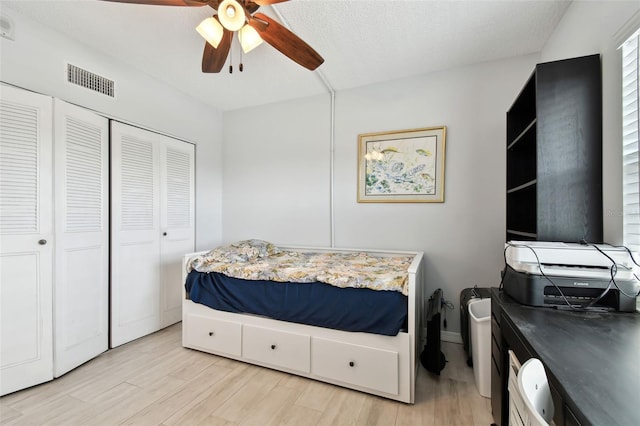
[(592, 360)]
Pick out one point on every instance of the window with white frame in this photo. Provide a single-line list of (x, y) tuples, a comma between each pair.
[(630, 148), (630, 172)]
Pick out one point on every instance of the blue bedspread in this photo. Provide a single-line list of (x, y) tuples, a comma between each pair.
[(319, 304)]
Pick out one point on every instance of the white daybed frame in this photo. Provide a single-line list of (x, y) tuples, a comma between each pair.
[(373, 363)]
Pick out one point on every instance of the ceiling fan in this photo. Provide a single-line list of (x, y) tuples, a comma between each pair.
[(252, 28)]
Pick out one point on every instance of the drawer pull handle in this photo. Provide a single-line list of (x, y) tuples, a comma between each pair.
[(352, 364), (273, 347), (211, 333), (42, 242)]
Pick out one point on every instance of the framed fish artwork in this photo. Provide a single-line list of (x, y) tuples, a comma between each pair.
[(402, 166)]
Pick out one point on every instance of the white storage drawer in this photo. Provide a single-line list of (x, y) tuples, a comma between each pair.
[(358, 365), (277, 348), (213, 335)]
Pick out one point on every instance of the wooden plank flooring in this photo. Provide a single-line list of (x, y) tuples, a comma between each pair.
[(155, 381)]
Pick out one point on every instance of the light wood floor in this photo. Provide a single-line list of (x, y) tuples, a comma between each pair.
[(155, 381)]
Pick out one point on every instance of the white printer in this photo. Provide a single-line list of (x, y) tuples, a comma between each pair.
[(539, 273)]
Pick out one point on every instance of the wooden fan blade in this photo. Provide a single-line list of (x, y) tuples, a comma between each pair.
[(267, 2), (286, 42), (213, 59), (195, 3), (250, 6)]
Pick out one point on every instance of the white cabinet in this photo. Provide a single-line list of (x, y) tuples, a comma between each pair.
[(54, 267), (377, 364), (26, 231), (152, 218)]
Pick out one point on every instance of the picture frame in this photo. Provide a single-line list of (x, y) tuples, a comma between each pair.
[(402, 166)]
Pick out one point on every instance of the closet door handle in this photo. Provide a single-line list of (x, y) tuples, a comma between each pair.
[(273, 347), (352, 364), (164, 234), (42, 242)]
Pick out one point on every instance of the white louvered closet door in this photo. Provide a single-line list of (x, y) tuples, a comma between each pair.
[(135, 233), (176, 222), (152, 207), (26, 246), (81, 296)]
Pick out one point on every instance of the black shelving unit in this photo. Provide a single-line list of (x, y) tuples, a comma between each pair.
[(554, 154)]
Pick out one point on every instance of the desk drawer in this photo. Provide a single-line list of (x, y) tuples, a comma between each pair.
[(496, 354), (495, 331), (358, 365), (213, 335), (277, 348), (496, 392), (569, 418), (496, 310)]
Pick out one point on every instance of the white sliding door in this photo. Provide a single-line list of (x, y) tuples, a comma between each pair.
[(81, 296), (176, 222), (26, 233), (152, 216), (135, 241)]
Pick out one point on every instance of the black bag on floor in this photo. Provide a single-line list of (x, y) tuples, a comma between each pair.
[(432, 357)]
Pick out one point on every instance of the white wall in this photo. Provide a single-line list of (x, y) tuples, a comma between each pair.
[(590, 27), (463, 237), (277, 172), (37, 60)]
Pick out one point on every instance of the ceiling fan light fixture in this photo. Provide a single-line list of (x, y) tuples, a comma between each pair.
[(231, 15), (249, 38), (211, 30)]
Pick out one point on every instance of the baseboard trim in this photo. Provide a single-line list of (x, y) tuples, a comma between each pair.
[(446, 336), (450, 336)]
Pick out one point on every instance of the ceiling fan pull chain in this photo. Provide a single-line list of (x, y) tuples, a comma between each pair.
[(231, 60), (241, 66)]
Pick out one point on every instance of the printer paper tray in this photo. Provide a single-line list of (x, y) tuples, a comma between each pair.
[(571, 271)]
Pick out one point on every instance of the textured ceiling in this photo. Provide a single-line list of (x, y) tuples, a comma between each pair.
[(363, 42)]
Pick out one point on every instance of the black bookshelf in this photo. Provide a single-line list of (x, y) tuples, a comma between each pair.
[(554, 154)]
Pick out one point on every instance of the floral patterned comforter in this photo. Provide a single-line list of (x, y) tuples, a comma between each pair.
[(259, 260)]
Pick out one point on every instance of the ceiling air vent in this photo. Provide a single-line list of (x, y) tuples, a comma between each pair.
[(89, 80)]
